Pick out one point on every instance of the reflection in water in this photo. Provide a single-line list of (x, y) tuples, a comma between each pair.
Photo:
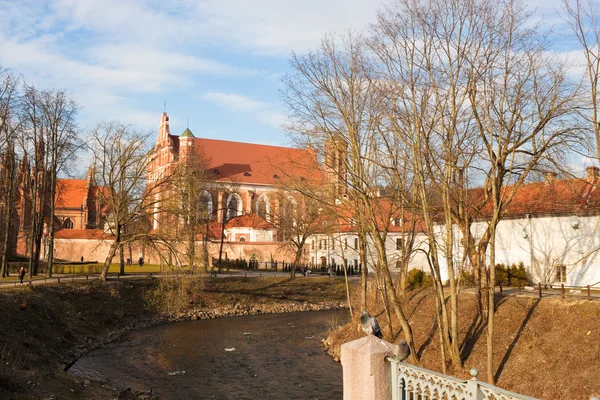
[(275, 356)]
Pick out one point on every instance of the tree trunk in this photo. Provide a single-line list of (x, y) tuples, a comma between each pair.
[(50, 260), (364, 273), (10, 205), (121, 259), (491, 305), (111, 254)]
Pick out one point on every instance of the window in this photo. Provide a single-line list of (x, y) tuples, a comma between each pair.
[(561, 273), (68, 224), (263, 207), (399, 244), (345, 243), (312, 245), (234, 206), (326, 242), (320, 244), (205, 207), (242, 239), (355, 243)]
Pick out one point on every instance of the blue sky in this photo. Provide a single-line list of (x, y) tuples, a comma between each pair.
[(216, 62)]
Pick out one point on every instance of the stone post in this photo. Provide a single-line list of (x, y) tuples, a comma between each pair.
[(367, 374)]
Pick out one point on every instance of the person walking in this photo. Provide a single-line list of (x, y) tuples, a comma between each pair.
[(22, 274)]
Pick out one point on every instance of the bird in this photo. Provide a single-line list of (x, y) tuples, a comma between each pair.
[(369, 325), (402, 351)]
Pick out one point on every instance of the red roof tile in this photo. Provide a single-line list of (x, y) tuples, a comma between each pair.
[(248, 221), (559, 197), (257, 163), (70, 193)]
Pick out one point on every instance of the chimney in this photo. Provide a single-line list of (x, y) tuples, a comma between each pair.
[(550, 176), (592, 172)]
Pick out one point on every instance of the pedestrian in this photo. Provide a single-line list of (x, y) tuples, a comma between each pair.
[(141, 261), (22, 274), (128, 262), (81, 258)]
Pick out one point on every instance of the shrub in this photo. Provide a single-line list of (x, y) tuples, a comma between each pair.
[(418, 278), (502, 275), (518, 275), (466, 278)]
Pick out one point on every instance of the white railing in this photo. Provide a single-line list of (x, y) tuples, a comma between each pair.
[(414, 383)]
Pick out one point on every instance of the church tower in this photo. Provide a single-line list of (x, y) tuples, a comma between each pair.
[(186, 145)]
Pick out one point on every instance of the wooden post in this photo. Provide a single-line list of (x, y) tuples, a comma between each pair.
[(589, 292), (562, 290), (540, 290)]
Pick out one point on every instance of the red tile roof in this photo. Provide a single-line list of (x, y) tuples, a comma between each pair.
[(248, 221), (70, 193), (559, 197), (257, 163), (98, 234)]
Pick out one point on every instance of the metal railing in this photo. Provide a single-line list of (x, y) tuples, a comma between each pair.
[(415, 383)]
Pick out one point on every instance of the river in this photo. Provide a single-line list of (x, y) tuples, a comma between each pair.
[(275, 356)]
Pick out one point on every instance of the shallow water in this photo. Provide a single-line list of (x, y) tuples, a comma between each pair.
[(275, 356)]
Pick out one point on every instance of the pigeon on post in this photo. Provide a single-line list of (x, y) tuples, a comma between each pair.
[(403, 351), (369, 325)]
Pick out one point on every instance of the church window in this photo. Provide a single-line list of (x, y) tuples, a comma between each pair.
[(206, 205), (263, 207), (68, 224), (234, 205)]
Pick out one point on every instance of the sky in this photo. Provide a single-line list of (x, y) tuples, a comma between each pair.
[(216, 63)]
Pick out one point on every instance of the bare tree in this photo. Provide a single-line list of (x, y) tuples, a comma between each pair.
[(334, 105), (58, 113), (583, 17), (121, 158), (10, 125)]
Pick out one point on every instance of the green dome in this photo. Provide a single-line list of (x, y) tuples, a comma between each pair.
[(187, 133)]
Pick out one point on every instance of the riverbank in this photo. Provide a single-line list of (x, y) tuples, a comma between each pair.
[(544, 348), (45, 329)]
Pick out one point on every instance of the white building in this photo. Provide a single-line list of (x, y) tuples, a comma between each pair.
[(552, 227)]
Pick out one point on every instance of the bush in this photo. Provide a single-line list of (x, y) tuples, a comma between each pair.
[(502, 275), (518, 275), (418, 279), (466, 278), (514, 275)]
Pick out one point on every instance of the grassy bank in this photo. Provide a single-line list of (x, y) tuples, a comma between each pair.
[(44, 329), (548, 349)]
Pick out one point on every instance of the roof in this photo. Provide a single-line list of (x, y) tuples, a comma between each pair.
[(257, 163), (83, 234), (187, 134), (251, 220), (558, 197), (70, 193)]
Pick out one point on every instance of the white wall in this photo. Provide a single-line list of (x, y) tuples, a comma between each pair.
[(544, 243), (336, 250)]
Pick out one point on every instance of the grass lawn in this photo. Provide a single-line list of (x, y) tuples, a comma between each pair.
[(69, 269)]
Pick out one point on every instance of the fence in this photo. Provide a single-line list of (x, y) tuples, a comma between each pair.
[(553, 290), (71, 278), (414, 383), (252, 265)]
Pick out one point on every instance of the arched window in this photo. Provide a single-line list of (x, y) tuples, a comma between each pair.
[(234, 205), (242, 239), (68, 224), (263, 208), (206, 205)]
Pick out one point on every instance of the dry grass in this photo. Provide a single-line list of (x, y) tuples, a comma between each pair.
[(549, 349)]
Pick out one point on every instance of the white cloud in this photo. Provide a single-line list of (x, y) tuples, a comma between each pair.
[(262, 111)]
